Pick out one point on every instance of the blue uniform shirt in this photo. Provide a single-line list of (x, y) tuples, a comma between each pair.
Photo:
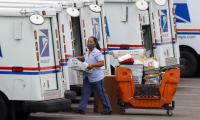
[(92, 58)]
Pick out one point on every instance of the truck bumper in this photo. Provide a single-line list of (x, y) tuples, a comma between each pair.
[(47, 106)]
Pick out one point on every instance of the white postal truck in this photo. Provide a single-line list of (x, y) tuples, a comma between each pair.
[(132, 29), (188, 32), (74, 32), (90, 23), (31, 78)]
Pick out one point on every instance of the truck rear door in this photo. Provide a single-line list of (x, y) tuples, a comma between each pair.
[(93, 24), (163, 34), (48, 54), (124, 33)]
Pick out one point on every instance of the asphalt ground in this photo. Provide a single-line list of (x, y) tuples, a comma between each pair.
[(187, 100)]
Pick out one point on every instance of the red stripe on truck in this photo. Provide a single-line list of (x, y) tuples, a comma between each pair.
[(119, 45), (31, 68), (188, 30)]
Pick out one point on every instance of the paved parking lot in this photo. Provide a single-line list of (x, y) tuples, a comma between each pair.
[(187, 108)]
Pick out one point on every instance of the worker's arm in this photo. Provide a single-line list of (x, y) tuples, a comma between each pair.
[(98, 64)]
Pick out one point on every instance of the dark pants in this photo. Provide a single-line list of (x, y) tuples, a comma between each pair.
[(99, 88)]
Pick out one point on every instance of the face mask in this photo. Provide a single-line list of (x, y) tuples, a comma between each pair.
[(90, 46)]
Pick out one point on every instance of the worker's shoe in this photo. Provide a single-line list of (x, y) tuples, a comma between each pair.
[(79, 111), (106, 113)]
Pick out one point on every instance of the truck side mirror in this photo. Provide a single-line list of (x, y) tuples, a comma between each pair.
[(142, 5), (95, 8), (73, 12), (160, 2), (36, 19)]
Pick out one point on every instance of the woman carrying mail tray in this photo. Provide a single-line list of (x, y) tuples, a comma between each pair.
[(94, 80)]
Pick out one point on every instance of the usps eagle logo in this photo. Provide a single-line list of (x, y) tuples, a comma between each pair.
[(164, 21), (182, 13), (96, 30), (44, 42)]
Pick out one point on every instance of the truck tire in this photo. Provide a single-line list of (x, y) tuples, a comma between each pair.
[(3, 109), (189, 64), (22, 115), (76, 89), (70, 94)]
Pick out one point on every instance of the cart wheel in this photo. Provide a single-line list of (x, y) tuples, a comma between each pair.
[(123, 111), (169, 112)]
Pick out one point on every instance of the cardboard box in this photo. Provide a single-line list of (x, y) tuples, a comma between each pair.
[(111, 89)]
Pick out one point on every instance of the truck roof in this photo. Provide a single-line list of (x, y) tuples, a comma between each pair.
[(122, 1), (57, 4), (10, 11), (63, 2)]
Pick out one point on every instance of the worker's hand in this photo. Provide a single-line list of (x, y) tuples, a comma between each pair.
[(90, 66), (81, 58)]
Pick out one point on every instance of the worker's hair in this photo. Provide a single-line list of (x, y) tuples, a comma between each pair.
[(96, 42)]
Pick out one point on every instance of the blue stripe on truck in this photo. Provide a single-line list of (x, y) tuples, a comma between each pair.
[(29, 73)]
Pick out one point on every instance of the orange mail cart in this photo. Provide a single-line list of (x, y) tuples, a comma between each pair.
[(141, 97)]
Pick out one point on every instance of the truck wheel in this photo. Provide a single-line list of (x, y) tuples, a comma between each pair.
[(3, 109), (22, 115), (189, 64), (169, 112), (70, 95)]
